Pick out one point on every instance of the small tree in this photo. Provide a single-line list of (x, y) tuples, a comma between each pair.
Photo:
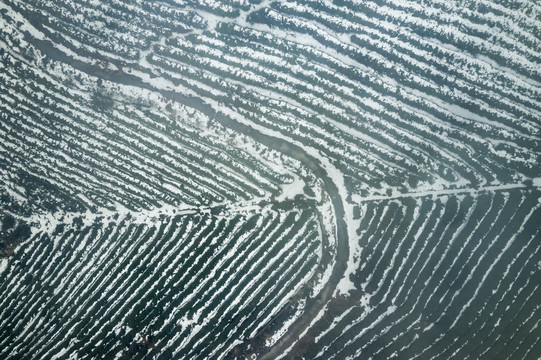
[(8, 222), (21, 233)]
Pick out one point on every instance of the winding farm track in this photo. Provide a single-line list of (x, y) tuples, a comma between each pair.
[(299, 179)]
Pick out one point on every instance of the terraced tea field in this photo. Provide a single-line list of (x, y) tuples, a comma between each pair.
[(270, 179)]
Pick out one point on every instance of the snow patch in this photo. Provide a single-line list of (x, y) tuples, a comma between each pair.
[(289, 191), (3, 265)]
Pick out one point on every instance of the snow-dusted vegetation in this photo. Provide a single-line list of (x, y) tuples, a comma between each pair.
[(228, 179)]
